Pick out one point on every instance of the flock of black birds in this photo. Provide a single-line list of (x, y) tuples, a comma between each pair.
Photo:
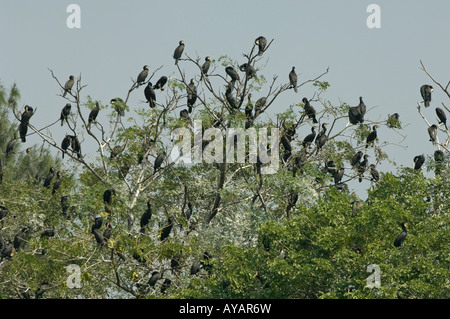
[(359, 162)]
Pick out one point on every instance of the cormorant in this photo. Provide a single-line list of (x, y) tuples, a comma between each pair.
[(195, 268), (432, 132), (393, 121), (309, 110), (293, 79), (439, 159), (442, 117), (230, 98), (160, 83), (205, 66), (165, 231), (356, 158), (93, 114), (191, 95), (184, 114), (150, 94), (156, 275), (23, 129), (49, 177), (108, 232), (64, 204), (165, 285), (158, 161), (146, 216), (356, 113), (249, 70), (262, 43), (27, 114), (375, 176), (309, 138), (108, 197), (10, 145), (48, 233), (58, 182), (66, 142), (372, 136), (321, 138), (259, 105), (401, 238), (418, 161), (425, 91), (76, 146), (98, 236), (232, 73), (7, 251), (69, 85), (338, 175), (178, 51), (362, 167), (142, 76), (65, 112), (119, 106)]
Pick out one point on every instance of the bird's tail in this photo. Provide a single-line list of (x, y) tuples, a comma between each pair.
[(295, 89), (427, 103)]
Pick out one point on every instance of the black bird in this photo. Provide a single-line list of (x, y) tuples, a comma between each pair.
[(362, 167), (309, 138), (442, 117), (158, 161), (58, 182), (98, 222), (64, 204), (108, 198), (259, 105), (119, 106), (69, 85), (249, 70), (393, 121), (142, 76), (184, 114), (230, 98), (439, 159), (108, 232), (189, 211), (425, 91), (3, 212), (321, 138), (20, 236), (93, 114), (249, 108), (375, 176), (191, 95), (10, 145), (205, 67), (98, 236), (146, 216), (195, 268), (156, 275), (372, 136), (23, 129), (48, 233), (232, 73), (165, 285), (66, 142), (356, 113), (330, 167), (293, 79), (65, 112), (49, 177), (27, 114), (401, 238), (150, 94), (160, 83), (356, 158), (338, 175), (76, 146), (432, 132), (418, 161), (309, 110), (262, 43), (178, 51), (165, 231), (7, 251)]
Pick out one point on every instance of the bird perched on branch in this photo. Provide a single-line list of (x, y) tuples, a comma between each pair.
[(178, 51), (356, 113), (432, 132), (401, 238), (205, 67), (372, 136), (158, 161), (146, 216), (418, 161), (142, 76), (442, 117), (49, 177), (160, 83), (425, 91), (293, 79), (65, 112), (262, 43), (191, 95), (232, 73), (309, 110), (69, 85), (93, 114)]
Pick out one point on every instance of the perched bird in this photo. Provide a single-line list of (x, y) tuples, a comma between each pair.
[(356, 158), (293, 79), (205, 67), (309, 138), (10, 145), (98, 222), (232, 73), (425, 91), (195, 268), (432, 132), (191, 95), (146, 216), (49, 177), (321, 138), (108, 198), (20, 236), (76, 146), (309, 110), (165, 285), (356, 113), (249, 108), (418, 161), (393, 121), (401, 238), (27, 114), (142, 76), (362, 167), (158, 161), (165, 231), (98, 236), (178, 51), (93, 114), (338, 175), (7, 251), (48, 233), (188, 213), (58, 182), (69, 85), (119, 106), (66, 142), (442, 117), (108, 232), (439, 159), (259, 105), (372, 136), (160, 83), (65, 112), (23, 129), (249, 70), (262, 43), (156, 275), (3, 212), (64, 204), (150, 94), (230, 98), (184, 115), (330, 167), (375, 176)]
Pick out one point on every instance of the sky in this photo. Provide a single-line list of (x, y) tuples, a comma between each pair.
[(117, 38)]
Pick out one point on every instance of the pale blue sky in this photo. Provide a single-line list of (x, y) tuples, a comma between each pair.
[(118, 37)]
